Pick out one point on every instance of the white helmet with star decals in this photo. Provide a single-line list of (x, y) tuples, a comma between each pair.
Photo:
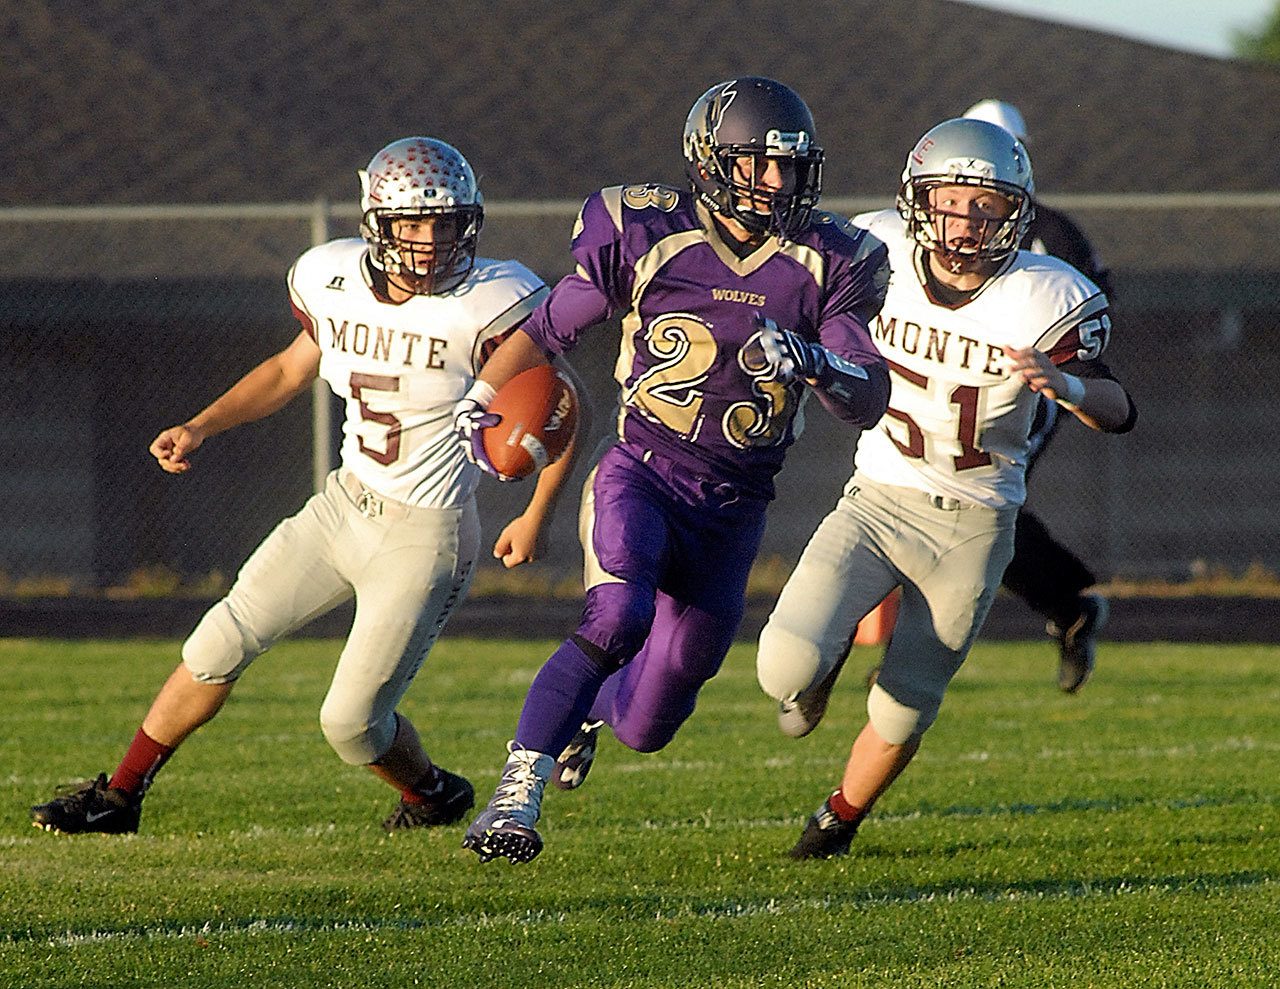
[(417, 178)]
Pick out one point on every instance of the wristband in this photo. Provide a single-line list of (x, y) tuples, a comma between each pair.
[(482, 393), (1074, 393)]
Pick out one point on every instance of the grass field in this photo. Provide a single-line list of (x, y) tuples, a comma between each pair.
[(1128, 837)]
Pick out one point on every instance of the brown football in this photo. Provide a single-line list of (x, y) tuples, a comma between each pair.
[(539, 409)]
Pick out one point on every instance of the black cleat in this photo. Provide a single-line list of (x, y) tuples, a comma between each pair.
[(451, 799), (825, 835), (90, 807), (1078, 644), (576, 759)]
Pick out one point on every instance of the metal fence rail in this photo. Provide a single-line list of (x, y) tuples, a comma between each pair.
[(121, 320)]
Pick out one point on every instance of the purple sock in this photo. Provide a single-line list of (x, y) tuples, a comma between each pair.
[(559, 700)]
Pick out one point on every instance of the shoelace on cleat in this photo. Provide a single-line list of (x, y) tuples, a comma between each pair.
[(520, 790), (74, 794)]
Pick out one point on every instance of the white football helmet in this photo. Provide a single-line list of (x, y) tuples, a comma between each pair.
[(416, 178), (968, 152), (1001, 114)]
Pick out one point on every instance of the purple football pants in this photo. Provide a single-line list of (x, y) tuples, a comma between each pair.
[(681, 547)]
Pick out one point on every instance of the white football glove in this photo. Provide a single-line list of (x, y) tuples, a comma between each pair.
[(470, 419)]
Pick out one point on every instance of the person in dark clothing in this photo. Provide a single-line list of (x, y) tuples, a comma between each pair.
[(1044, 573)]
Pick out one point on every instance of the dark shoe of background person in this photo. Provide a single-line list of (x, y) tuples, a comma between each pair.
[(1078, 643)]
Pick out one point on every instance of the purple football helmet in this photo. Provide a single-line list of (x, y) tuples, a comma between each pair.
[(753, 117)]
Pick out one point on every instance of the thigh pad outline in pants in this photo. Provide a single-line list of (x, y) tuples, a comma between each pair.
[(841, 576), (944, 605), (624, 530), (657, 691), (288, 580), (407, 586)]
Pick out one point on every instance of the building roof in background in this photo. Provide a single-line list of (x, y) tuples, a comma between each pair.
[(218, 101)]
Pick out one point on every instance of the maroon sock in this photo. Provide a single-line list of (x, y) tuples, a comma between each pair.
[(140, 764), (424, 790), (843, 809)]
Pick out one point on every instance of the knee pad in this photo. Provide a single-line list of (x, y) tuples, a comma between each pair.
[(616, 620), (895, 722), (354, 735), (220, 647), (786, 663)]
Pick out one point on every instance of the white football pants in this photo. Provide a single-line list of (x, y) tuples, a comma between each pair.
[(406, 567), (949, 558)]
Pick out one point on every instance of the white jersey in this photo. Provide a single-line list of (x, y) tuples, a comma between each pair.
[(401, 368), (958, 422)]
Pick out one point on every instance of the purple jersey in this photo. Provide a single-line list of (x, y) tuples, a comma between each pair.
[(693, 388)]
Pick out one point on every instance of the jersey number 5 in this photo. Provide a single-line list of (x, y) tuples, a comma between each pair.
[(378, 382)]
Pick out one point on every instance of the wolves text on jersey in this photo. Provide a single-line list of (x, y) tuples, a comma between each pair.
[(738, 295)]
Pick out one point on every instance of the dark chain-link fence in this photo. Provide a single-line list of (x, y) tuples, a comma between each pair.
[(118, 323)]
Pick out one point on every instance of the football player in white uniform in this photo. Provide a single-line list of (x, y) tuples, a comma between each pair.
[(1044, 572), (398, 322), (973, 329)]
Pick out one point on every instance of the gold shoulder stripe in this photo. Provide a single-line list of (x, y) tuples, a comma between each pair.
[(612, 200)]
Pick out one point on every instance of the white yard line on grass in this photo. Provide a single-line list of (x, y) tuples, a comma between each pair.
[(728, 909)]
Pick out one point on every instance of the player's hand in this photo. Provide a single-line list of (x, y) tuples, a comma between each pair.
[(470, 418), (787, 353), (1036, 371), (520, 542), (172, 448)]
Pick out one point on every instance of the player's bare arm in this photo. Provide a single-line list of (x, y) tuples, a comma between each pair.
[(517, 353), (522, 539), (1097, 402), (268, 387)]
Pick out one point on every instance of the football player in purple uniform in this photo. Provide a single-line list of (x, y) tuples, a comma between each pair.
[(737, 299)]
